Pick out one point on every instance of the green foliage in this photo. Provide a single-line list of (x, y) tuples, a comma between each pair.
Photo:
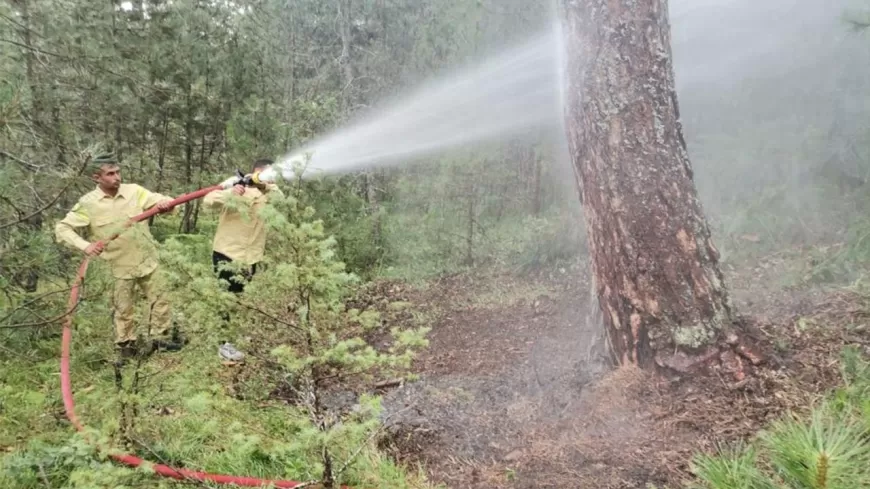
[(854, 399), (346, 217), (845, 261), (74, 464), (502, 207), (780, 217), (423, 246), (824, 452), (186, 91), (829, 449), (184, 408), (733, 468), (294, 308)]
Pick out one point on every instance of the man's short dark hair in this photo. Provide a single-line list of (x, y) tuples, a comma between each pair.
[(262, 163)]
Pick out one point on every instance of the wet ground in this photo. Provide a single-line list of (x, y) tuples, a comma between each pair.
[(512, 392)]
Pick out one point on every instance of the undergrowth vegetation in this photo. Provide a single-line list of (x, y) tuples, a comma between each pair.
[(828, 448), (269, 417), (184, 91)]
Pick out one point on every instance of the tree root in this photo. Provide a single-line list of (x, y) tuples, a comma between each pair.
[(734, 356)]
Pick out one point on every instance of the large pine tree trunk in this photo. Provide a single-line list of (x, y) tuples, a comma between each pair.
[(658, 280)]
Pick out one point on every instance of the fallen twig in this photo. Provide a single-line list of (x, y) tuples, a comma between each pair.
[(389, 383)]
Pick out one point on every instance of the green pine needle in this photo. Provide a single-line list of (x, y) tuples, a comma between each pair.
[(827, 452), (733, 468)]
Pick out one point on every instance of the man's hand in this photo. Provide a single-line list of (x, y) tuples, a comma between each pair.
[(94, 249), (239, 189), (164, 206)]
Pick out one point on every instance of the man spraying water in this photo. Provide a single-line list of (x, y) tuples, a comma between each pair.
[(240, 238)]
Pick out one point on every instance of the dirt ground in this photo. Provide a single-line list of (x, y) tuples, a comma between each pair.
[(513, 395)]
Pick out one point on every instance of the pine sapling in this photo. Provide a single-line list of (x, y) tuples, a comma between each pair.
[(826, 452), (321, 344), (731, 468)]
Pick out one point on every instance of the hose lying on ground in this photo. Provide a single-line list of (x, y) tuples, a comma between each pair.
[(66, 388)]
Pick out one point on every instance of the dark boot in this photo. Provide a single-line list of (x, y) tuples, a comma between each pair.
[(173, 342), (166, 345), (127, 350)]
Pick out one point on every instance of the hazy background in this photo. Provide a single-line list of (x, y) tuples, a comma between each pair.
[(775, 104)]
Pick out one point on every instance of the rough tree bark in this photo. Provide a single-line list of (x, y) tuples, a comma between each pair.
[(659, 285)]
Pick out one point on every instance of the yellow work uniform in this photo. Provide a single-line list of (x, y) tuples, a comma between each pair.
[(241, 233), (132, 256)]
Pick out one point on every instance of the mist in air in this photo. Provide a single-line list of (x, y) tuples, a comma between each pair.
[(509, 93), (726, 53)]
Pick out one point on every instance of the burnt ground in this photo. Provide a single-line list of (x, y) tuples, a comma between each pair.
[(512, 394)]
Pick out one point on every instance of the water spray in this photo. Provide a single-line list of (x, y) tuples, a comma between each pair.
[(508, 94)]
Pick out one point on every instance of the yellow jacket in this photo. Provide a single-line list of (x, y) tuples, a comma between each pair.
[(134, 253), (241, 234)]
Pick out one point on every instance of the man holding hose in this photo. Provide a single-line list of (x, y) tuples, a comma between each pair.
[(132, 256), (240, 239)]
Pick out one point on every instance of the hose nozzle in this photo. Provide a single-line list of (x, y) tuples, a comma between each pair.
[(269, 175)]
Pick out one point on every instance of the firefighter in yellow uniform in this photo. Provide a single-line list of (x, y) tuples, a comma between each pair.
[(132, 256), (240, 238)]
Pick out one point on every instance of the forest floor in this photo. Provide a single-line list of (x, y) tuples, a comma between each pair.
[(511, 394)]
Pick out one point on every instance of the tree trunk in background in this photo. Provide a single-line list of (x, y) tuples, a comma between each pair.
[(30, 60), (187, 217), (374, 207), (469, 236), (290, 80), (161, 150), (29, 279), (536, 198), (345, 20), (659, 285)]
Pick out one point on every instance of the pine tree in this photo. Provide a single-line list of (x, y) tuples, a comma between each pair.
[(296, 307)]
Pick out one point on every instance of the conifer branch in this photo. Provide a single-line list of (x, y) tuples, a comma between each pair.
[(47, 204)]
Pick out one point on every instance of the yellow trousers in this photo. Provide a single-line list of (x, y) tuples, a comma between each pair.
[(158, 311)]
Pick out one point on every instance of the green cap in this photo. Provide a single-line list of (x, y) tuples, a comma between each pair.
[(101, 159), (105, 158)]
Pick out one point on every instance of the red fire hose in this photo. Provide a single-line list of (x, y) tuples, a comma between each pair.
[(66, 389)]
